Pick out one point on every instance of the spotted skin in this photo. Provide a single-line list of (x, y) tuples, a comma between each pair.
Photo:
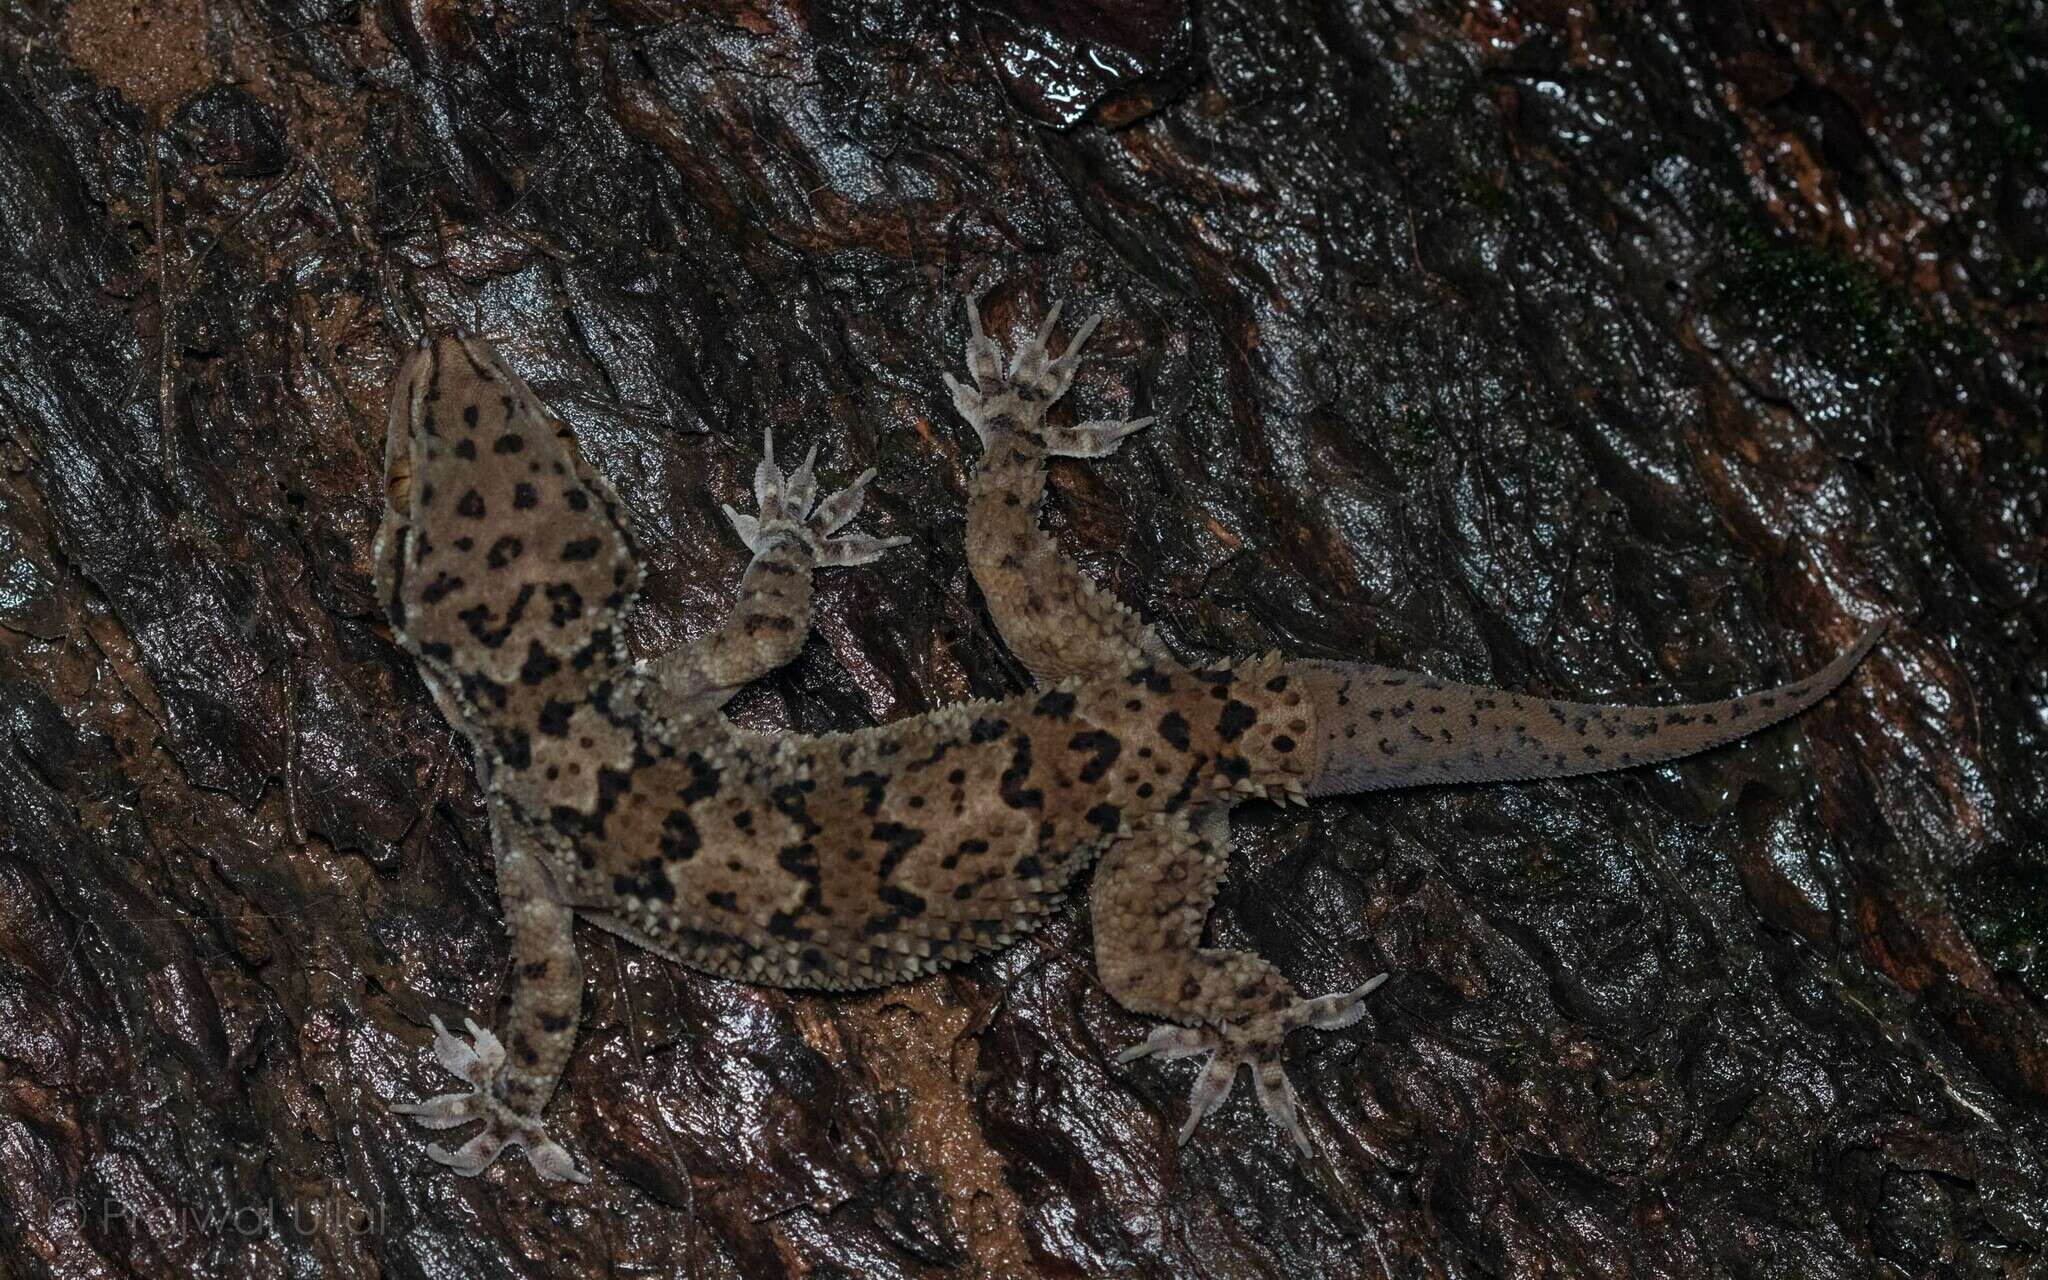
[(619, 790)]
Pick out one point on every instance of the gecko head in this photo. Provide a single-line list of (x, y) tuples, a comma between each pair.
[(504, 558)]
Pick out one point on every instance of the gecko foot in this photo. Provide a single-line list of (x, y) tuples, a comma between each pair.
[(503, 1127), (787, 507), (1255, 1044), (1035, 379)]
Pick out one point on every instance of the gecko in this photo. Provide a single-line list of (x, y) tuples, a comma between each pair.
[(619, 791)]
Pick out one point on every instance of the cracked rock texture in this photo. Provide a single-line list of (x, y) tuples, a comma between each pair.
[(1587, 347)]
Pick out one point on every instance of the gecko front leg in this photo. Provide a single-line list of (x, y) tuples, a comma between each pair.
[(1152, 896), (794, 535), (1057, 621)]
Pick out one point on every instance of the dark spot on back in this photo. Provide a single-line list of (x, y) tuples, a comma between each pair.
[(1058, 705), (539, 664), (1104, 748), (1236, 718), (1174, 728)]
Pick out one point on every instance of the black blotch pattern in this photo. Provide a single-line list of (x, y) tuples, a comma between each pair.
[(539, 665), (679, 839), (647, 879), (553, 721), (704, 780), (1152, 678), (1056, 705), (1104, 748), (515, 748), (1236, 718), (876, 786), (897, 841), (1173, 727), (565, 604), (1011, 785), (985, 729)]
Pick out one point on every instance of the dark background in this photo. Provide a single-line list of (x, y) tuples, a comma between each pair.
[(1588, 347)]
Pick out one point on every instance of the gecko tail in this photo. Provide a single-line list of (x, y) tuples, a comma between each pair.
[(1378, 727)]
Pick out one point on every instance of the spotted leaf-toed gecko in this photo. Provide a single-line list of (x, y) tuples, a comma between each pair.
[(620, 791)]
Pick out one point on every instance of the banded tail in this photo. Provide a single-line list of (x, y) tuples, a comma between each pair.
[(1380, 728)]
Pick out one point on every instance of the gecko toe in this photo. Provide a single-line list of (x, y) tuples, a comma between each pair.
[(1170, 1042), (502, 1128), (472, 1157), (552, 1161), (1029, 365), (1092, 439), (444, 1111), (984, 359), (1276, 1095), (1334, 1013), (474, 1065), (1211, 1087), (841, 552), (1072, 355)]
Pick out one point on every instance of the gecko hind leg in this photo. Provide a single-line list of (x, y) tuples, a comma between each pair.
[(509, 1088), (1152, 894)]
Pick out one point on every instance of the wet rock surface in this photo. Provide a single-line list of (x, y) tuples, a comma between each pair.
[(1591, 350)]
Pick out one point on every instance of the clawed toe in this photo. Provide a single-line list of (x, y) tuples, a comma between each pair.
[(472, 1157), (1092, 439), (1171, 1042), (443, 1112), (789, 506), (549, 1158), (984, 359), (475, 1065)]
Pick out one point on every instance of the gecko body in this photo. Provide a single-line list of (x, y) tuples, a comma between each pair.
[(619, 791)]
